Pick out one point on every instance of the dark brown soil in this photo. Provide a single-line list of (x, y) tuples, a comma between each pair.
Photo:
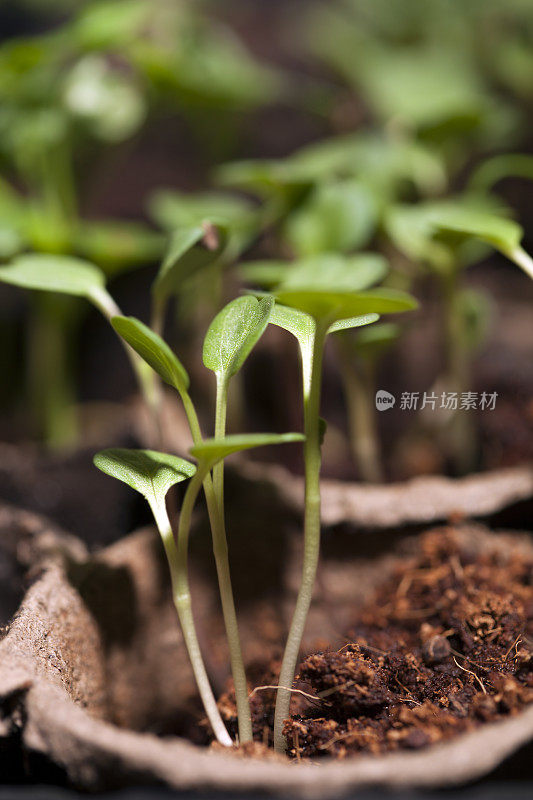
[(443, 646)]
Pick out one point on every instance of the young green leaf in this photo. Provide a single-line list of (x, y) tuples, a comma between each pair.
[(264, 177), (234, 332), (148, 472), (117, 244), (54, 274), (264, 273), (353, 322), (301, 325), (336, 306), (379, 162), (339, 216), (372, 342), (153, 350), (185, 255), (210, 451), (501, 233), (508, 165), (174, 210), (331, 272), (443, 233)]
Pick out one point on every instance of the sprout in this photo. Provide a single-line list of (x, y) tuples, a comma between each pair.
[(152, 474), (447, 236), (229, 340), (310, 313), (190, 250)]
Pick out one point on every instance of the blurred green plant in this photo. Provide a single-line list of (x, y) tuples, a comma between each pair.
[(435, 69), (447, 236), (95, 80)]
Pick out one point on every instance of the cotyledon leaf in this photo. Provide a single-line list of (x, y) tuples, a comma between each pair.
[(335, 306), (152, 349), (51, 273), (234, 332), (210, 451), (148, 472)]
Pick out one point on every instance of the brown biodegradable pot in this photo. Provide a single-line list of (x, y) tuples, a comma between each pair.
[(95, 681)]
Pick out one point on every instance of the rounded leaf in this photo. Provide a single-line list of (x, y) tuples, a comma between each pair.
[(234, 332), (50, 273), (148, 472), (152, 349)]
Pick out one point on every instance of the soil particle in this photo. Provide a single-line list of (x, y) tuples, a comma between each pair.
[(443, 646)]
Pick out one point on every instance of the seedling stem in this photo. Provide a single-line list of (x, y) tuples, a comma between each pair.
[(177, 559), (215, 504), (312, 458), (523, 260)]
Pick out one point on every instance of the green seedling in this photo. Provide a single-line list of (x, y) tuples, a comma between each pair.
[(42, 127), (494, 230), (152, 474), (311, 312), (228, 343), (173, 210), (420, 73), (95, 80), (448, 236), (231, 337), (357, 360), (195, 276), (331, 195), (359, 357)]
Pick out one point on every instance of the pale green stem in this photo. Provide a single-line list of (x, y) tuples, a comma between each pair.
[(220, 432), (522, 259), (177, 561), (311, 536), (215, 508), (50, 375)]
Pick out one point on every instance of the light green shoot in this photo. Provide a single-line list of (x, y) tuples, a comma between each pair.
[(237, 334), (310, 314), (152, 474)]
